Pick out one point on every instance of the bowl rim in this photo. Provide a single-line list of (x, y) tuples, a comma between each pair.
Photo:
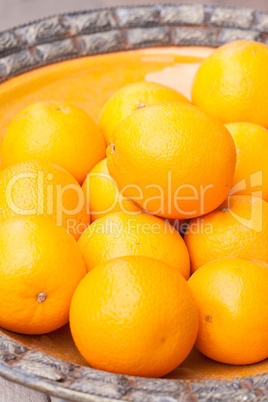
[(71, 35), (68, 381), (97, 31)]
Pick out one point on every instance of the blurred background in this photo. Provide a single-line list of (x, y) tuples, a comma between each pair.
[(15, 12)]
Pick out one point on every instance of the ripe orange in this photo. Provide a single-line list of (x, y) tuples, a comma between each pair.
[(42, 188), (119, 235), (40, 267), (173, 160), (232, 297), (238, 228), (54, 132), (251, 173), (134, 315), (231, 83), (102, 194), (131, 98)]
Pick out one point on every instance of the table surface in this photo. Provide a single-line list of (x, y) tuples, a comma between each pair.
[(15, 12)]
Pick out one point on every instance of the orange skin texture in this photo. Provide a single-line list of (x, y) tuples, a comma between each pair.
[(54, 132), (129, 99), (232, 298), (36, 257), (119, 235), (161, 155), (251, 144), (48, 190), (133, 310), (231, 83), (238, 229), (102, 194)]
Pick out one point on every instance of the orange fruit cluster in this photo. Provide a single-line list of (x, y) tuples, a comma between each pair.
[(157, 247)]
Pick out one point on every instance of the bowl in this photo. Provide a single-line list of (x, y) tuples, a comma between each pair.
[(72, 36)]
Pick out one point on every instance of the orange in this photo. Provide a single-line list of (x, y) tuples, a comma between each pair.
[(102, 194), (232, 298), (40, 267), (134, 315), (42, 188), (131, 98), (238, 228), (119, 235), (251, 173), (54, 132), (231, 83), (173, 160)]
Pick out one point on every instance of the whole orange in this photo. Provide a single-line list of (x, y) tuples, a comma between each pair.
[(102, 194), (119, 235), (251, 173), (134, 315), (238, 228), (231, 83), (173, 160), (232, 297), (42, 188), (54, 132), (131, 98), (40, 267)]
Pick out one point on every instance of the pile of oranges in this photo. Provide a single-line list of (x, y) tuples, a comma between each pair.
[(148, 231)]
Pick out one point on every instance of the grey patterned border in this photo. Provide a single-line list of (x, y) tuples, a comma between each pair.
[(100, 31)]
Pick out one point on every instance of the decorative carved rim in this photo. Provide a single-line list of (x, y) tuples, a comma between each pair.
[(85, 33), (100, 31), (56, 377)]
